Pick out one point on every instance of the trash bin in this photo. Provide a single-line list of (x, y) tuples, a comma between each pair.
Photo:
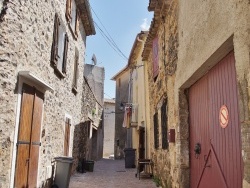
[(63, 171), (129, 157), (89, 165)]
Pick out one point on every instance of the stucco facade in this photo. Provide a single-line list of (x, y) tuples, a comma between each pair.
[(192, 38), (26, 30), (109, 128), (122, 135), (138, 123)]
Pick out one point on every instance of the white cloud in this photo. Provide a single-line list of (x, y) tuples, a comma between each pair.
[(145, 26)]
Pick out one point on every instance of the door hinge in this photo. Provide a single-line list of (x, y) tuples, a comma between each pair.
[(22, 142)]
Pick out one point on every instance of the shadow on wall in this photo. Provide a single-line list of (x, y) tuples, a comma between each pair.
[(49, 182), (80, 145)]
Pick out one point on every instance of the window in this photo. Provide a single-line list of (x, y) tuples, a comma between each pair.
[(59, 47), (75, 76), (67, 136), (164, 125), (72, 16), (156, 131)]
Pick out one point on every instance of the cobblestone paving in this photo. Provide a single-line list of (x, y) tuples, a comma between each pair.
[(110, 173)]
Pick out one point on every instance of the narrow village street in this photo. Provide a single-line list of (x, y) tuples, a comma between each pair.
[(110, 173), (125, 94)]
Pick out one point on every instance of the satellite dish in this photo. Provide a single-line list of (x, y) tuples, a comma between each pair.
[(94, 60)]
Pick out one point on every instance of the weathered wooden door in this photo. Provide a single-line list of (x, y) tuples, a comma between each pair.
[(28, 137), (215, 142), (142, 143)]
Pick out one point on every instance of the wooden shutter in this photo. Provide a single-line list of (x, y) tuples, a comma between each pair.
[(155, 58), (156, 131), (66, 137), (54, 51), (164, 125), (68, 10), (77, 23), (76, 69), (66, 41)]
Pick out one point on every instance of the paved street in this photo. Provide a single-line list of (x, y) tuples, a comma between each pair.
[(110, 173)]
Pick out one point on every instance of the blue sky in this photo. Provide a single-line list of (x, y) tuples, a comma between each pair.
[(123, 20)]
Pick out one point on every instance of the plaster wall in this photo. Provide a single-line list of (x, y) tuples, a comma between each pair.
[(122, 86), (109, 129), (212, 30)]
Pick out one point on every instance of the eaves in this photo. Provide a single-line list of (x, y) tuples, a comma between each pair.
[(86, 16)]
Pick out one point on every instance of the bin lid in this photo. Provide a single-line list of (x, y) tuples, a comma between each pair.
[(129, 149), (64, 159)]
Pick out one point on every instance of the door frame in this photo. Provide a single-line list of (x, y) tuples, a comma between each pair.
[(183, 126), (32, 80)]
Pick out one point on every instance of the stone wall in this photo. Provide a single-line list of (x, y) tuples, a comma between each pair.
[(163, 88), (197, 36), (26, 33)]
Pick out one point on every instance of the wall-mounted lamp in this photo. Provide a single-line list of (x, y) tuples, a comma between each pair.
[(121, 107), (124, 105)]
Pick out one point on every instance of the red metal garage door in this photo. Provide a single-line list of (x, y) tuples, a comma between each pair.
[(215, 143)]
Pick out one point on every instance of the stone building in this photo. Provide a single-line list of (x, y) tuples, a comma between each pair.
[(93, 103), (42, 48), (109, 128), (197, 60), (88, 135)]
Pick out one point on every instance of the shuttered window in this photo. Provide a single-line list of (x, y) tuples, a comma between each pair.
[(156, 131), (72, 16), (67, 136), (75, 76), (59, 47), (164, 125), (155, 58)]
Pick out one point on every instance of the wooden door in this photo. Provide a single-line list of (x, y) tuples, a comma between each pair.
[(67, 137), (28, 137), (219, 163), (142, 143)]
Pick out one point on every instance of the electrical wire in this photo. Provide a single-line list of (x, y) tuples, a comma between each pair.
[(108, 40), (113, 42), (108, 96), (108, 37)]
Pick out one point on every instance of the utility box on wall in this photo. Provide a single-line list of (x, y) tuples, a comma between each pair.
[(171, 136)]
